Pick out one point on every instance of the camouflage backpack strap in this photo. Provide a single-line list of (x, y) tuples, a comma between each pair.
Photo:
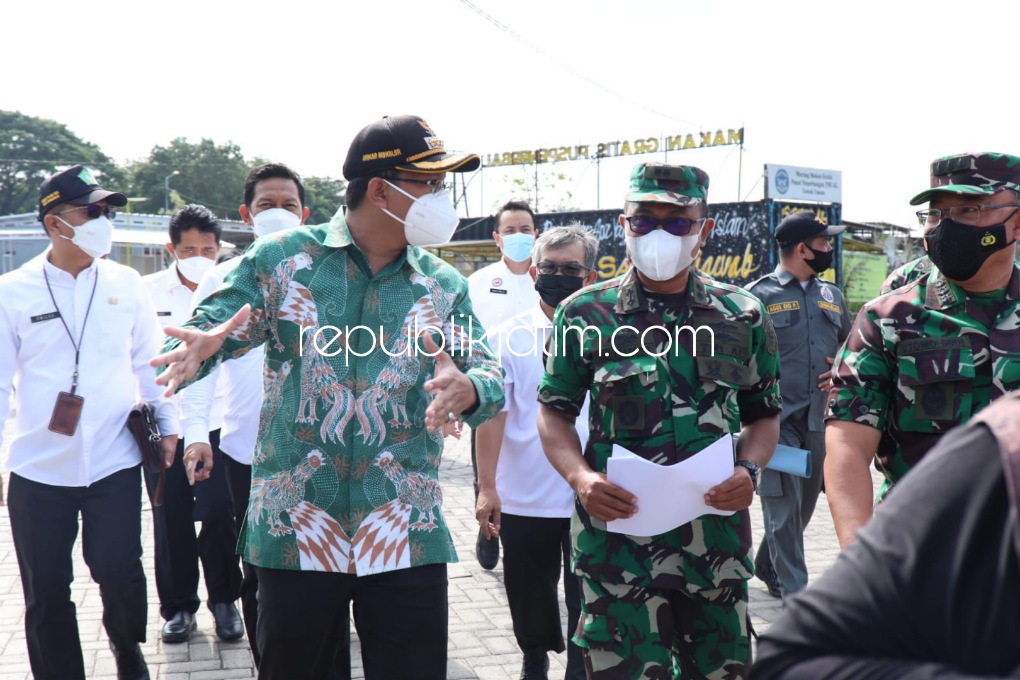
[(1002, 417)]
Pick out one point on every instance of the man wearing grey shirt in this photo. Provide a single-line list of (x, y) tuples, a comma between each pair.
[(811, 321)]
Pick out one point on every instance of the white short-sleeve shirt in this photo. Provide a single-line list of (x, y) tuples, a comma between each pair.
[(527, 483)]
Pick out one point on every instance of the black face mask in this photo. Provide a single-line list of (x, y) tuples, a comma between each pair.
[(959, 251), (555, 288), (822, 261)]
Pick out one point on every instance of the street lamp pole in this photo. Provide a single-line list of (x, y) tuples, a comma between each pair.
[(166, 186)]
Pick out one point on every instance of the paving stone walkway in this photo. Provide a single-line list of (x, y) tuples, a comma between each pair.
[(481, 637)]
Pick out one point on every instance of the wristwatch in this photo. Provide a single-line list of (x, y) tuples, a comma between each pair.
[(753, 468)]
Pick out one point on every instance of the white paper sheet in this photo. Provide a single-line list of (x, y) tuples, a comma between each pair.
[(668, 495)]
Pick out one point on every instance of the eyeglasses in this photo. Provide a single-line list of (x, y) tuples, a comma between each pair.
[(94, 210), (964, 214), (437, 185), (678, 226), (569, 268)]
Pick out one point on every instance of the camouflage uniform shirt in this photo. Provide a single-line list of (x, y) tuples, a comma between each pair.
[(664, 409), (906, 273), (345, 476), (923, 359)]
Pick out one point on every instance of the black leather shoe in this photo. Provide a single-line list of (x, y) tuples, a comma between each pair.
[(487, 551), (535, 666), (229, 624), (130, 663), (178, 627), (771, 578)]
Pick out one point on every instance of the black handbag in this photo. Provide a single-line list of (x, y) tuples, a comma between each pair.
[(143, 426)]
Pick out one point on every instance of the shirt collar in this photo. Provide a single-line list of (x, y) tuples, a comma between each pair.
[(173, 281), (339, 236), (538, 317), (55, 273), (631, 295), (941, 293), (784, 277)]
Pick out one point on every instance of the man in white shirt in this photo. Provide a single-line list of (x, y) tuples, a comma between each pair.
[(522, 500), (194, 234), (76, 334), (274, 200), (499, 291)]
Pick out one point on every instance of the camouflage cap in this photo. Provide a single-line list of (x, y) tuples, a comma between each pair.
[(972, 173), (659, 183)]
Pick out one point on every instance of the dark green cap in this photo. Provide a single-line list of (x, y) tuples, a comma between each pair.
[(972, 174), (659, 183)]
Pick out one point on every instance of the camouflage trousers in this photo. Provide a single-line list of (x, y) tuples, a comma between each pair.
[(655, 634)]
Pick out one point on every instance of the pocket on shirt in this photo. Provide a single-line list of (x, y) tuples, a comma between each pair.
[(930, 392), (116, 331), (628, 392)]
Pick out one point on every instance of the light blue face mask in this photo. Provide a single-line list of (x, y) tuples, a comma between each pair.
[(518, 246)]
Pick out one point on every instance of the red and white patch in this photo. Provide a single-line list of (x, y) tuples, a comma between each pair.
[(497, 282)]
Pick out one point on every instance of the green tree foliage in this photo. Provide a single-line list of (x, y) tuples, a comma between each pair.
[(210, 174), (323, 197), (32, 149)]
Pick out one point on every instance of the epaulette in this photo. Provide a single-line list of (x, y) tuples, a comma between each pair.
[(770, 275)]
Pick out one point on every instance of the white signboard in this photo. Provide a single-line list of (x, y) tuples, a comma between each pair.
[(790, 183)]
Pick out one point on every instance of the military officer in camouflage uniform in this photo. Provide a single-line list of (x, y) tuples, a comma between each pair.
[(641, 345), (906, 273), (811, 321), (926, 357)]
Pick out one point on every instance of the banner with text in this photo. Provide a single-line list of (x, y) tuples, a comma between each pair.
[(740, 250), (790, 183)]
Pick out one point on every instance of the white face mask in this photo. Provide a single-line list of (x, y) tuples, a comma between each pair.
[(431, 219), (274, 220), (659, 255), (95, 237), (194, 268)]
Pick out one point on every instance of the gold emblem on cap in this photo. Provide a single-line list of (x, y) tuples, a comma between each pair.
[(113, 301), (988, 240)]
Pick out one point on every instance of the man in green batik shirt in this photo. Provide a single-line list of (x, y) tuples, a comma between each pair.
[(927, 356), (371, 347), (673, 361)]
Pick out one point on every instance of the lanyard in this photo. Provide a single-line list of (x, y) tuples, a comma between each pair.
[(81, 336)]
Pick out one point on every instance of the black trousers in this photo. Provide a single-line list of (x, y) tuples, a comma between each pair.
[(536, 550), (179, 550), (44, 525), (238, 477), (239, 484), (401, 617)]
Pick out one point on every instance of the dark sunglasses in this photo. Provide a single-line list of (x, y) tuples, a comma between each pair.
[(94, 210), (569, 269), (677, 226)]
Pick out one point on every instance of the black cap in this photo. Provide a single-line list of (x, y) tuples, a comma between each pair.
[(75, 185), (801, 226), (402, 143)]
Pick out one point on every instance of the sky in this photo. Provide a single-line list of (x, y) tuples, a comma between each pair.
[(874, 90)]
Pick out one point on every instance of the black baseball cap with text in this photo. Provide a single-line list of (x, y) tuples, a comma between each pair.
[(402, 143), (77, 186), (802, 226)]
